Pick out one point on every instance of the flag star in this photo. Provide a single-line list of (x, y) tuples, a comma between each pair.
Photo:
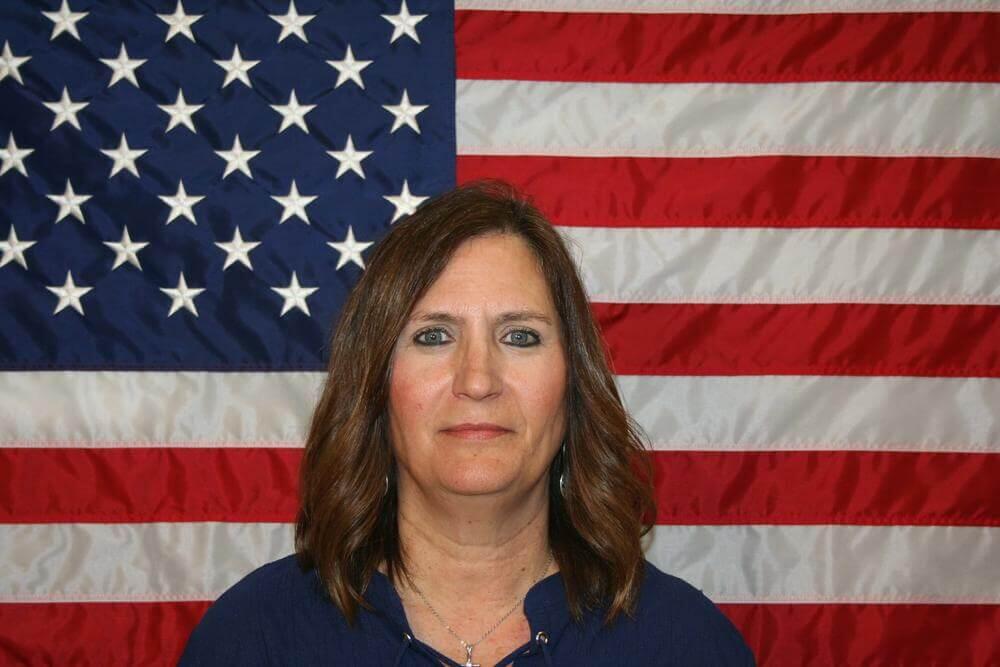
[(295, 295), (126, 250), (349, 69), (293, 113), (13, 249), (405, 202), (292, 23), (350, 159), (123, 67), (236, 68), (181, 203), (64, 20), (124, 157), (182, 296), (237, 250), (69, 203), (9, 64), (405, 113), (349, 249), (69, 294), (13, 157), (65, 110), (180, 112), (294, 204), (404, 23), (237, 159), (180, 23)]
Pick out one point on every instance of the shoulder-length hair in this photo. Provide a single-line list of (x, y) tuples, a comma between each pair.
[(346, 525)]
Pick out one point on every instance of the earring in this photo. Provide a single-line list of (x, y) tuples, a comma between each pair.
[(386, 485), (562, 473)]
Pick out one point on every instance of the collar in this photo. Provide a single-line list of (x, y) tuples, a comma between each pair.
[(544, 606)]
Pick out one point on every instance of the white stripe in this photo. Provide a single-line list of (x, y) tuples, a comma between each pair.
[(731, 6), (133, 561), (198, 561), (81, 409), (135, 409), (857, 564), (772, 265), (787, 412), (722, 119)]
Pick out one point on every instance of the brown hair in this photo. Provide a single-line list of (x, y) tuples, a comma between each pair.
[(346, 525)]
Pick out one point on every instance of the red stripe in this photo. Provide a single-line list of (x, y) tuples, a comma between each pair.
[(779, 634), (653, 48), (869, 634), (767, 191), (871, 488), (96, 633), (801, 339), (148, 484), (827, 487)]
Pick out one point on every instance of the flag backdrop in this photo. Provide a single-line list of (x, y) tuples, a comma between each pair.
[(787, 217)]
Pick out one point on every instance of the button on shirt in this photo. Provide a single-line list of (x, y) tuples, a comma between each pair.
[(280, 615)]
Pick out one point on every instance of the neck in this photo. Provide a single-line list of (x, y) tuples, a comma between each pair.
[(473, 552)]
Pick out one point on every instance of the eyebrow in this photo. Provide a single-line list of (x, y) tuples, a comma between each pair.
[(503, 318)]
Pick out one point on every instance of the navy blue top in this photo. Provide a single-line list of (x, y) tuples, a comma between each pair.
[(279, 615)]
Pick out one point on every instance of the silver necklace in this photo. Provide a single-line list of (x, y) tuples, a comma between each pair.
[(468, 646)]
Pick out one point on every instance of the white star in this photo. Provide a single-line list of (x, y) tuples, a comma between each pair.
[(349, 68), (69, 294), (13, 157), (292, 23), (181, 204), (404, 202), (9, 64), (123, 67), (405, 113), (294, 204), (237, 250), (183, 296), (349, 249), (124, 157), (65, 110), (13, 249), (293, 113), (236, 68), (180, 112), (295, 295), (179, 22), (350, 159), (69, 203), (404, 23), (237, 159), (64, 20), (126, 250)]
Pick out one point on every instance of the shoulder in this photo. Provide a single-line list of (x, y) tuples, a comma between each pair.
[(243, 625), (693, 631)]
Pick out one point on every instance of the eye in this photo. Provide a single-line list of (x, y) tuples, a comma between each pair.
[(431, 337), (523, 338)]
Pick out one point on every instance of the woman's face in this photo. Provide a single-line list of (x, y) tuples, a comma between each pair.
[(476, 395)]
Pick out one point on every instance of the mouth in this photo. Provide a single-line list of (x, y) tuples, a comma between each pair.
[(476, 431)]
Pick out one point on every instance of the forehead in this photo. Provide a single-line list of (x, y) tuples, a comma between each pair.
[(498, 269)]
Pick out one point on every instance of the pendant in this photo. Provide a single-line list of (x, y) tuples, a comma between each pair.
[(468, 657)]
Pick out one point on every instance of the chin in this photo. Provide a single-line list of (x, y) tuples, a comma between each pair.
[(477, 479)]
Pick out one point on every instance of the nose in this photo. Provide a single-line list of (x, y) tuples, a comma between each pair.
[(477, 369)]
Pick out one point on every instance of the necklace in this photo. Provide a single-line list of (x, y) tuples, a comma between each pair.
[(468, 646)]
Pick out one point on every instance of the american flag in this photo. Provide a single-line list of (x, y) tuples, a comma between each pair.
[(786, 213)]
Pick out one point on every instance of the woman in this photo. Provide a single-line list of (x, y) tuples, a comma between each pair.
[(472, 490)]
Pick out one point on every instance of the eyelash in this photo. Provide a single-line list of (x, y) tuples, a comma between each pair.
[(416, 337)]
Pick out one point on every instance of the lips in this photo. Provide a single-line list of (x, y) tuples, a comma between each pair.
[(480, 431)]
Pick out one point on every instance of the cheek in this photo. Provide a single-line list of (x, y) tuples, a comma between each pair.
[(409, 393)]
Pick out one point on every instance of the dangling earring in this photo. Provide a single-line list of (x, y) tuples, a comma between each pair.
[(562, 471)]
